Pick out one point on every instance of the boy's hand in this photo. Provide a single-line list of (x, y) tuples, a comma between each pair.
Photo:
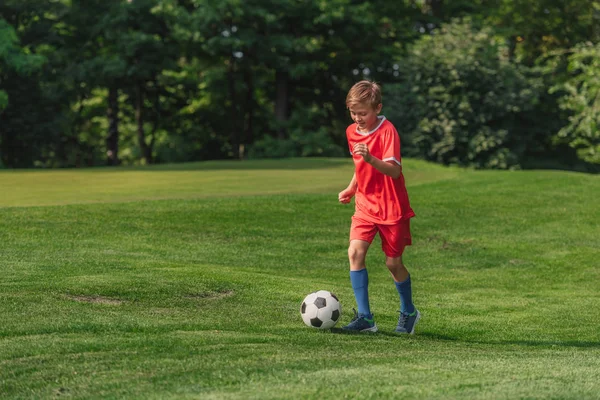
[(346, 195), (362, 150)]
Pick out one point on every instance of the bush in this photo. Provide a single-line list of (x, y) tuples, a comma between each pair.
[(308, 136), (581, 100), (462, 101), (300, 144)]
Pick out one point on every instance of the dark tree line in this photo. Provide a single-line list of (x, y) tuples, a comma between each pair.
[(493, 84)]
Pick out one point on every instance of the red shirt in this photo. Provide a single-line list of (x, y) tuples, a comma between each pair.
[(379, 198)]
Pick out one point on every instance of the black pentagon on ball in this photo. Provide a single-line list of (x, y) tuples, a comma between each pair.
[(303, 309), (321, 302), (316, 322), (335, 297), (335, 315)]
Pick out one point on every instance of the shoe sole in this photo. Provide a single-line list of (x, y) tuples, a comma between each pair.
[(371, 329)]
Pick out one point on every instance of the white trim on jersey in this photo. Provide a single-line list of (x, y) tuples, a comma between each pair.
[(393, 159), (381, 118)]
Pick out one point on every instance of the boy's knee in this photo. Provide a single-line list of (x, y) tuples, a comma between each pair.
[(394, 263), (356, 254)]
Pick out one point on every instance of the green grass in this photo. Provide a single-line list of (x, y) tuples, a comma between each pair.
[(184, 282)]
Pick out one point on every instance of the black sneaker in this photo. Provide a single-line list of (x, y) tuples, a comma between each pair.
[(361, 324), (407, 322)]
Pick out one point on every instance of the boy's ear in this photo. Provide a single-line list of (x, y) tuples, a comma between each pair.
[(378, 108)]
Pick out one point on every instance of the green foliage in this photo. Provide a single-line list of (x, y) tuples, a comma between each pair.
[(300, 144), (461, 101), (207, 79), (34, 116), (536, 28), (270, 147), (3, 100), (13, 56), (308, 136), (581, 100)]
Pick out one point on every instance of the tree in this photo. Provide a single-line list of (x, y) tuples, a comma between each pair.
[(13, 58), (461, 100), (93, 62), (29, 122), (581, 100), (537, 27)]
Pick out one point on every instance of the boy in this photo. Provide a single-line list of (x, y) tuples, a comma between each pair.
[(382, 205)]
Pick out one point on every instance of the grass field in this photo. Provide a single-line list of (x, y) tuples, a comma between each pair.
[(185, 281)]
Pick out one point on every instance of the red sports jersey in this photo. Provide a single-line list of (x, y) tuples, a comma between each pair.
[(379, 198)]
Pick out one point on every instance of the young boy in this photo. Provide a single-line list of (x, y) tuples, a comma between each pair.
[(382, 205)]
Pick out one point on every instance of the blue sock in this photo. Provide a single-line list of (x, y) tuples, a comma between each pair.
[(360, 285), (405, 292)]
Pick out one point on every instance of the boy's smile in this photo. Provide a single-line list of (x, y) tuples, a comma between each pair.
[(365, 116)]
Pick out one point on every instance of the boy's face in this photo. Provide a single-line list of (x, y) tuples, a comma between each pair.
[(365, 115)]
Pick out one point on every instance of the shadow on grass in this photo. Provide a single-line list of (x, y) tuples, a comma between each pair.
[(378, 333), (341, 331), (533, 343), (564, 158), (438, 337)]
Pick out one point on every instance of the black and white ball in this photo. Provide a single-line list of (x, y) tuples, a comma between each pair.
[(321, 310)]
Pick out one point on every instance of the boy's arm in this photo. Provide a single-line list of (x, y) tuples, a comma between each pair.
[(346, 195), (352, 185), (387, 168)]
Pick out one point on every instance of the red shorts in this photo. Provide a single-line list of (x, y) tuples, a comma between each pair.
[(394, 238)]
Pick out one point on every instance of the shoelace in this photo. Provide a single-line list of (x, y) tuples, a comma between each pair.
[(355, 315), (402, 319)]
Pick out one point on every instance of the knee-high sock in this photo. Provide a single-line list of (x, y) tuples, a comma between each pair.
[(360, 285), (405, 292)]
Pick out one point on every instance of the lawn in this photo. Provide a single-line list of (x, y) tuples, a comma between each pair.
[(185, 282)]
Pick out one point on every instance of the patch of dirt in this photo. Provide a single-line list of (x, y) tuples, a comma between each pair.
[(60, 391), (213, 295), (96, 299)]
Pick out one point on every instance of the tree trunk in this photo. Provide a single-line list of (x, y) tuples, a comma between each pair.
[(595, 36), (248, 133), (512, 47), (435, 7), (112, 140), (139, 103), (234, 135), (282, 102)]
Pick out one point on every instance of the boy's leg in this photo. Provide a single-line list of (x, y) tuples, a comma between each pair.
[(394, 239), (402, 281), (359, 277), (409, 315), (363, 320), (361, 235)]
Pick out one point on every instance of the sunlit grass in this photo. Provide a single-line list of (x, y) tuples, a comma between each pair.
[(194, 292), (185, 181)]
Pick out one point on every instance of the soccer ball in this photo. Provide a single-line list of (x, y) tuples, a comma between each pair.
[(321, 310)]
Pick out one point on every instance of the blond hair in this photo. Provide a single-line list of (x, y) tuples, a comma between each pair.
[(366, 92)]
